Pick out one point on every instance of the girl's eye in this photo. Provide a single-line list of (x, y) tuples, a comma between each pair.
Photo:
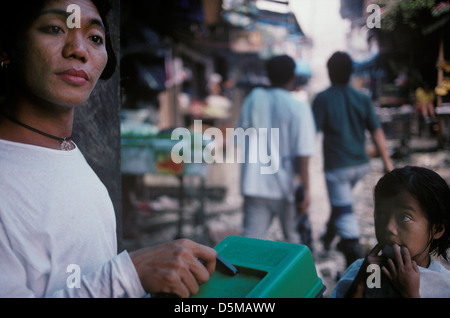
[(404, 218), (97, 39)]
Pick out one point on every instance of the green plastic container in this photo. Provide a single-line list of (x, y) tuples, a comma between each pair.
[(267, 269), (146, 153)]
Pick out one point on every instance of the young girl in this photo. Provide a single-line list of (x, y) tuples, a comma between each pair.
[(412, 214)]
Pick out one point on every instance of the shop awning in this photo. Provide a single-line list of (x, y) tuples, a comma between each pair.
[(249, 16)]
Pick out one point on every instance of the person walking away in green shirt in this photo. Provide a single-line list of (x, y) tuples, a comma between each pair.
[(343, 115)]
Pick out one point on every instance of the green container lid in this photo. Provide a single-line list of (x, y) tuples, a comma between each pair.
[(267, 269)]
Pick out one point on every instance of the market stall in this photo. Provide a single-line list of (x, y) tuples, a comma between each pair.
[(148, 151), (441, 90)]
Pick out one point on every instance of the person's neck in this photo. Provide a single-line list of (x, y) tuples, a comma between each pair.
[(45, 117), (423, 260), (283, 87)]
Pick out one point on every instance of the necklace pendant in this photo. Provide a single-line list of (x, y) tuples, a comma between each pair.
[(66, 145)]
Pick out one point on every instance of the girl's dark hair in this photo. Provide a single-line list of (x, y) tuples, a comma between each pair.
[(16, 18), (340, 68), (430, 190)]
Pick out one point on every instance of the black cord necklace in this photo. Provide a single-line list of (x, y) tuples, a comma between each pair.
[(65, 143)]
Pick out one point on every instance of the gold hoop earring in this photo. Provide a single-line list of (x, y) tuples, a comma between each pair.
[(4, 65), (4, 62)]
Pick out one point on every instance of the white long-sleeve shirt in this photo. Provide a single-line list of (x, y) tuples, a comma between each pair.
[(57, 228)]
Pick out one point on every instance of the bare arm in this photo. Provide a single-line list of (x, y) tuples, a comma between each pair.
[(303, 170)]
